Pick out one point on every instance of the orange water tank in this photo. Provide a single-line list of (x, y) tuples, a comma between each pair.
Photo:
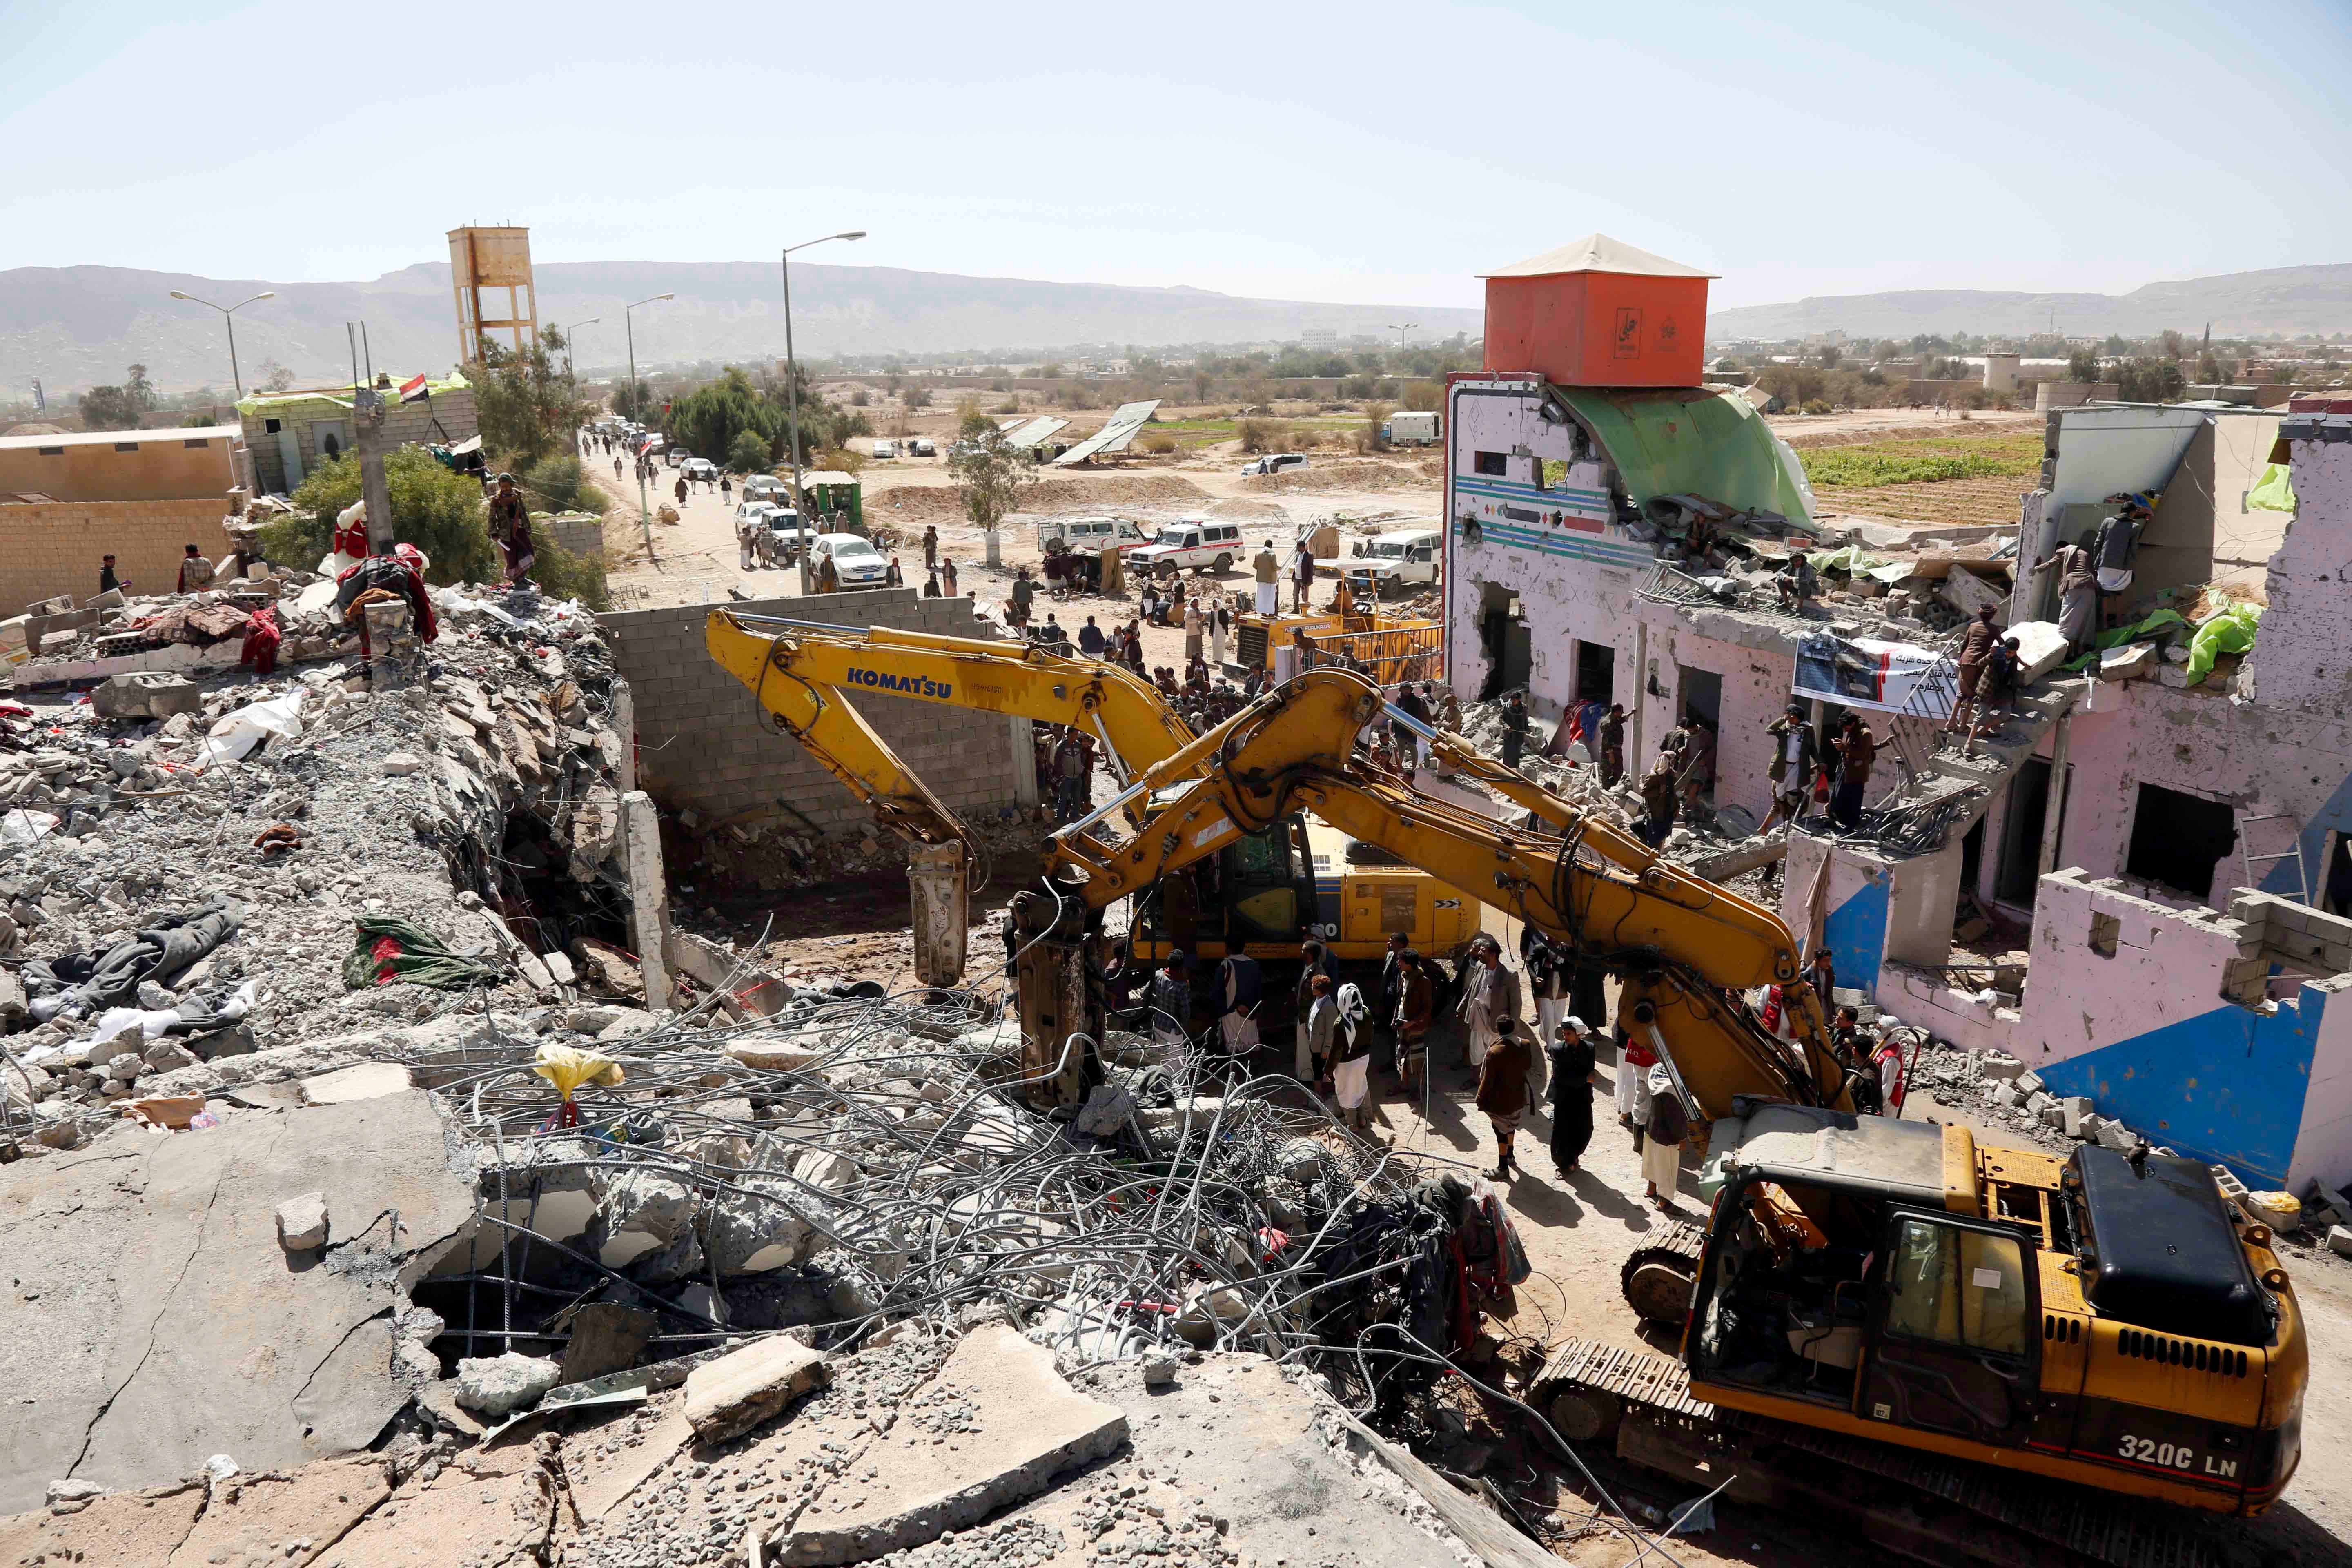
[(1599, 313)]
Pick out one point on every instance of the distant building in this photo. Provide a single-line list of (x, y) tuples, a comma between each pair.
[(67, 501), (287, 433), (1319, 340)]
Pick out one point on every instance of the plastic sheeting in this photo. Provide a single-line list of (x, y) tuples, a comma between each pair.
[(237, 733), (568, 1066), (2162, 621), (2274, 491), (2229, 629)]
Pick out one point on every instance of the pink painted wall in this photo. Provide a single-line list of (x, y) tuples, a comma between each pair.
[(2300, 658), (1755, 689)]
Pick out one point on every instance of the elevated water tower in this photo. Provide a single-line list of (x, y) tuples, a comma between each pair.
[(1598, 312), (483, 261)]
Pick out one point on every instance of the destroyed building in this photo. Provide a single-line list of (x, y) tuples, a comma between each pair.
[(1607, 543), (287, 433)]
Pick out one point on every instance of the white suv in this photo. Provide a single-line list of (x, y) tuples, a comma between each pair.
[(1088, 535), (855, 560), (1395, 561), (1195, 542), (1276, 463)]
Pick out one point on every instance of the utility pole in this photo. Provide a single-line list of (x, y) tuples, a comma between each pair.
[(644, 503), (1401, 329), (792, 390), (567, 342)]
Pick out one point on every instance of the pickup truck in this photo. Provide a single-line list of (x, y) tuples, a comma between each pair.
[(1089, 534), (1194, 542), (1394, 562)]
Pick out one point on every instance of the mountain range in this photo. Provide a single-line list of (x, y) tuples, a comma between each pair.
[(76, 326), (2293, 300)]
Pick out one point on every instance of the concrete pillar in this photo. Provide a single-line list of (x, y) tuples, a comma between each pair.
[(367, 435), (625, 725), (1024, 763), (2053, 803), (648, 895)]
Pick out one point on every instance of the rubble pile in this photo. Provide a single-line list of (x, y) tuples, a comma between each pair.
[(288, 810)]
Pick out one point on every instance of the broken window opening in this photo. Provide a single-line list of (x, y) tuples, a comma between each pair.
[(1496, 464), (2107, 934), (1596, 672), (1503, 637), (2177, 839)]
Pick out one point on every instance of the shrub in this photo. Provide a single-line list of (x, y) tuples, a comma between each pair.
[(1010, 405), (1159, 444), (561, 483), (1258, 436), (750, 454), (919, 397), (1816, 406), (1368, 439), (860, 398), (564, 575), (440, 511)]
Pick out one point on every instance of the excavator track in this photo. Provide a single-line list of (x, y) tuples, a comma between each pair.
[(1922, 1506), (1657, 1278)]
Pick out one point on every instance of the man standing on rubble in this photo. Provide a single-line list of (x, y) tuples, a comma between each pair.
[(196, 572), (1267, 568), (1976, 645), (511, 528), (1612, 753), (1659, 800), (2078, 593), (1514, 727), (1792, 767), (107, 581), (1856, 748)]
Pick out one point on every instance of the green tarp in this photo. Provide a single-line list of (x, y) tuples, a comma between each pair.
[(2160, 621), (1687, 441), (2273, 492), (2229, 629)]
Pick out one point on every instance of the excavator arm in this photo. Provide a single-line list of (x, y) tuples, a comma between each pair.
[(1123, 711), (1682, 946)]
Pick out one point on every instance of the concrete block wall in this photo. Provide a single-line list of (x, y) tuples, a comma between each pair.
[(46, 550), (2163, 1032), (445, 416), (705, 744), (580, 535)]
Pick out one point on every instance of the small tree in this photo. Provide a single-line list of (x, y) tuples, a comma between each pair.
[(435, 509), (992, 474), (561, 483), (750, 453), (276, 377), (528, 404), (2083, 364), (917, 398)]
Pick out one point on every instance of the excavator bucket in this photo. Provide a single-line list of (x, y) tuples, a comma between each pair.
[(935, 883)]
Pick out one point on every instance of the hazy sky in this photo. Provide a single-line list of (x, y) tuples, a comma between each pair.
[(1365, 152)]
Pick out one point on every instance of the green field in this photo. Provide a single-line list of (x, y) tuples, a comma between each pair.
[(1922, 462)]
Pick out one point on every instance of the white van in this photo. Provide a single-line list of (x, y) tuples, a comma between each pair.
[(1195, 542), (1395, 561), (1276, 463), (1087, 535)]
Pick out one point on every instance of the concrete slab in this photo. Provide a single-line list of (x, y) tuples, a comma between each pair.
[(156, 1321), (746, 1388), (363, 1080), (128, 1526), (500, 1522), (1022, 1427), (265, 1518)]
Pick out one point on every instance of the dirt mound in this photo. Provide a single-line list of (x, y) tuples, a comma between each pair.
[(1364, 475)]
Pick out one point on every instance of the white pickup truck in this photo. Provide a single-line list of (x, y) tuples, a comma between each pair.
[(1089, 534), (1394, 561)]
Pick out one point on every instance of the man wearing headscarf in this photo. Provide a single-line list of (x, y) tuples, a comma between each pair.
[(1663, 1135), (1571, 1094), (1351, 1060), (1503, 1092)]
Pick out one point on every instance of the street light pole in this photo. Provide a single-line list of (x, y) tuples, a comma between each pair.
[(644, 505), (567, 342), (1401, 329), (229, 312), (792, 392)]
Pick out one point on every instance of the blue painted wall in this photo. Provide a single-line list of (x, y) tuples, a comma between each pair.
[(1856, 934), (2226, 1086)]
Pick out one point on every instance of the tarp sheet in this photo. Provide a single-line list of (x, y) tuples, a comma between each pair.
[(1689, 441), (254, 402), (2229, 629), (1885, 676), (2163, 620), (2274, 491)]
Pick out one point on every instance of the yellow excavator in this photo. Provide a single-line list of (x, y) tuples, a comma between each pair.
[(1966, 1351), (1298, 877)]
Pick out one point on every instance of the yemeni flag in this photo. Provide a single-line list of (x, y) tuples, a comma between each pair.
[(414, 389)]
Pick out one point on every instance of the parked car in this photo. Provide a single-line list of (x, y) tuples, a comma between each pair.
[(855, 560), (672, 457), (886, 449), (1090, 534), (788, 535), (921, 446), (1276, 463), (1393, 561), (1195, 542), (766, 486), (700, 469)]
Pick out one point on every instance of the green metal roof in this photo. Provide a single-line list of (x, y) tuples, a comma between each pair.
[(1691, 441), (341, 397)]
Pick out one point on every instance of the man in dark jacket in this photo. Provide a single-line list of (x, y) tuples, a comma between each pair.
[(1503, 1092), (1659, 800), (1856, 748), (1416, 1005), (1612, 753), (1171, 1003), (1792, 765)]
